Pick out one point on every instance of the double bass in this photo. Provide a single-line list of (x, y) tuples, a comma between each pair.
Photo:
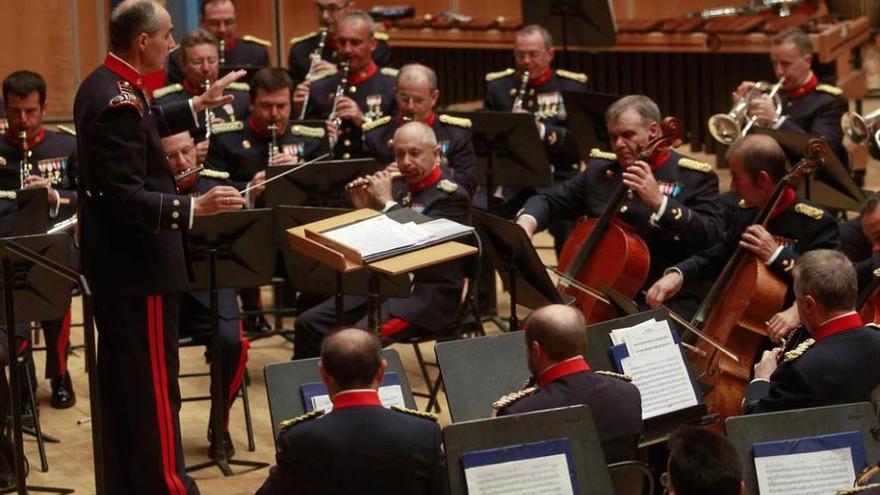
[(743, 298), (603, 251)]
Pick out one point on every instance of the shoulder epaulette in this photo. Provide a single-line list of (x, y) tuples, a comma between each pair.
[(602, 155), (798, 351), (380, 35), (259, 41), (448, 186), (810, 211), (214, 174), (11, 195), (307, 131), (612, 374), (297, 39), (574, 76), (167, 90), (321, 75), (227, 127), (831, 90), (498, 75), (388, 71), (414, 412), (456, 121), (239, 86), (126, 98), (287, 423), (373, 124), (511, 398), (692, 164), (66, 130)]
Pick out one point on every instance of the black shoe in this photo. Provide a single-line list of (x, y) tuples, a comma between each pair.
[(256, 324), (63, 396), (228, 446)]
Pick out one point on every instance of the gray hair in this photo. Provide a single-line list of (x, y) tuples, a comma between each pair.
[(644, 106), (828, 276), (410, 72), (129, 19), (362, 16), (537, 29), (797, 37)]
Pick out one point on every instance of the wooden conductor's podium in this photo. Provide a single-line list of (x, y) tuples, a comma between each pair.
[(307, 239)]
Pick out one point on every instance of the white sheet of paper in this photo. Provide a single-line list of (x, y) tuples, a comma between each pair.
[(390, 395), (374, 235), (662, 379), (810, 473), (648, 336), (548, 474)]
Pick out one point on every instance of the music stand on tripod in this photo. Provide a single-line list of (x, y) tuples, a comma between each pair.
[(229, 250), (319, 184), (574, 22)]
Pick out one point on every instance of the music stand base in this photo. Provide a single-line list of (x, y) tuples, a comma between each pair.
[(223, 466), (38, 489), (287, 334)]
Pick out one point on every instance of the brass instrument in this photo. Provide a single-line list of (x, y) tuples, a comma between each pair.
[(222, 52), (340, 92), (273, 145), (365, 181), (860, 129), (25, 169), (209, 115), (315, 57), (728, 127), (521, 94)]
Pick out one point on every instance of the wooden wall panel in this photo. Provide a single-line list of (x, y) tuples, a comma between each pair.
[(256, 17)]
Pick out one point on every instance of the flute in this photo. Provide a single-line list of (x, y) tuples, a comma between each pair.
[(365, 181), (186, 173)]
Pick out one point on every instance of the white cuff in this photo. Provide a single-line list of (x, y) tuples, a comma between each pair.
[(655, 217), (759, 380), (53, 212), (192, 111), (388, 205), (674, 270), (542, 130), (774, 256), (192, 204)]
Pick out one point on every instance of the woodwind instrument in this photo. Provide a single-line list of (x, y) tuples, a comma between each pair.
[(365, 181), (340, 92), (209, 115), (273, 145), (186, 173), (222, 52), (25, 169), (315, 57), (521, 94)]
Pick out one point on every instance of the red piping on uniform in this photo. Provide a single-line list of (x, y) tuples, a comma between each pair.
[(239, 372), (63, 340)]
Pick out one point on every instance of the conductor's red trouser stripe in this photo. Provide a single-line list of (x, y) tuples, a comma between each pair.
[(63, 339)]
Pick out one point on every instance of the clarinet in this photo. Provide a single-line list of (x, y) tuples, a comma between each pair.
[(521, 94), (25, 169), (222, 52), (273, 146), (340, 92), (209, 115), (315, 57)]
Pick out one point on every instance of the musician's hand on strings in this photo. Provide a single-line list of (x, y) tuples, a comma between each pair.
[(300, 95), (528, 224), (762, 108), (767, 365), (664, 289), (257, 185), (641, 180), (780, 325), (202, 150), (217, 200), (348, 109), (214, 96), (757, 240)]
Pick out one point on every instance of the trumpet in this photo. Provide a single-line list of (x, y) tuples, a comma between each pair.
[(728, 127), (25, 169), (521, 94), (209, 115), (365, 181), (273, 145), (859, 129), (340, 92), (315, 57)]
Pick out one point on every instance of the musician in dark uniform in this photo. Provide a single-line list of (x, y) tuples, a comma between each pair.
[(838, 363), (131, 222), (757, 164), (218, 18), (52, 159), (416, 94), (556, 344), (358, 447), (368, 94), (436, 292), (303, 48), (807, 106), (200, 61), (3, 122), (674, 206), (860, 240)]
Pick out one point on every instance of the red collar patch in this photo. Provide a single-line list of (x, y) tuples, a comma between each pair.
[(840, 324), (537, 82), (356, 398), (192, 90), (230, 44), (424, 184), (125, 71), (808, 86), (568, 367), (31, 142), (363, 74)]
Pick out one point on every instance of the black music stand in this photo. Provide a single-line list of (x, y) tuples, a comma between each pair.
[(229, 250), (320, 184), (509, 151), (586, 119), (579, 23), (283, 381), (574, 424), (33, 211), (831, 186), (744, 431), (514, 257), (36, 267)]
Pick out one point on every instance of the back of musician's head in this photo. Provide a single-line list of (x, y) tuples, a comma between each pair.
[(419, 130), (22, 83), (359, 16), (196, 37), (559, 329), (416, 73), (702, 462), (829, 277), (269, 79), (644, 106), (533, 29), (759, 153), (797, 37), (129, 19), (352, 357)]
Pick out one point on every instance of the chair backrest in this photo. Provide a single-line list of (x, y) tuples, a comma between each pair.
[(631, 478), (472, 277)]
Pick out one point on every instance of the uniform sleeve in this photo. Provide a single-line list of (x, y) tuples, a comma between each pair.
[(463, 162), (564, 200), (282, 479), (853, 242), (827, 237), (788, 389), (382, 55), (174, 117), (825, 122), (865, 270), (68, 195), (121, 151), (560, 141), (697, 223), (490, 102), (707, 264), (439, 479)]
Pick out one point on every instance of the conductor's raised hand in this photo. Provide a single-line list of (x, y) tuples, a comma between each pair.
[(218, 200), (214, 96)]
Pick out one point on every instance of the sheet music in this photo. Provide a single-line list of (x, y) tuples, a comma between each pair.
[(547, 474), (390, 395), (645, 337), (662, 379), (374, 235), (809, 473)]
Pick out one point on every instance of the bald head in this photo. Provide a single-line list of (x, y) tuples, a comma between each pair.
[(416, 132), (559, 330), (759, 153), (417, 74), (351, 356)]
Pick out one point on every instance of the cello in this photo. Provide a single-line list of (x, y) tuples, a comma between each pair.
[(743, 298), (606, 252)]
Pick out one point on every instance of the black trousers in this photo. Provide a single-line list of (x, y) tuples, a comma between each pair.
[(140, 398)]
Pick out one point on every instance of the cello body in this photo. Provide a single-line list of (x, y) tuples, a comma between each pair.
[(620, 260)]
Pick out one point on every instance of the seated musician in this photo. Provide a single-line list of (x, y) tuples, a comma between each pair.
[(673, 208), (416, 94), (556, 343), (436, 292), (367, 95), (807, 106), (860, 240), (757, 164), (195, 306), (838, 363), (200, 61), (702, 462), (358, 447)]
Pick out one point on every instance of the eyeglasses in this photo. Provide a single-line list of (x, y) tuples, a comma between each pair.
[(181, 153)]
